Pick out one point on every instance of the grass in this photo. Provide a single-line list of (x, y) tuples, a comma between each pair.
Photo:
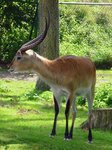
[(26, 121), (103, 76)]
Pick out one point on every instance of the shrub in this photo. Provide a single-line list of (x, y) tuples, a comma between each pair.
[(103, 96), (102, 19), (11, 42), (38, 95)]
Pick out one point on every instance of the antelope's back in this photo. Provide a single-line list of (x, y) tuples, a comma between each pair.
[(72, 68)]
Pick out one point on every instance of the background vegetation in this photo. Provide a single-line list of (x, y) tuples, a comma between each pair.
[(87, 31), (17, 21), (84, 30)]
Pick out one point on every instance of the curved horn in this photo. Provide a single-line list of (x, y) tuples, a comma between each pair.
[(38, 39)]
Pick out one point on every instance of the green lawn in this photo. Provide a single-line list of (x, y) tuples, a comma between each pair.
[(26, 119)]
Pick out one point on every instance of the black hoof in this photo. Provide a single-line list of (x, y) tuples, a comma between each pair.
[(68, 137), (90, 142), (52, 134)]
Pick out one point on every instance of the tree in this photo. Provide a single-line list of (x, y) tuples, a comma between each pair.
[(50, 46)]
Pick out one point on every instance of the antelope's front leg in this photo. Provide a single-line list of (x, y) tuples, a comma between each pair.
[(56, 108)]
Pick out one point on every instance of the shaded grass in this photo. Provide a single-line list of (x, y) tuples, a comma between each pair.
[(31, 131)]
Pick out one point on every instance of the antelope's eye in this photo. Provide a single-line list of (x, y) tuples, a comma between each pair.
[(18, 57)]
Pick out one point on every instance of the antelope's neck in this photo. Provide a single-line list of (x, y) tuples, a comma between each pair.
[(41, 67)]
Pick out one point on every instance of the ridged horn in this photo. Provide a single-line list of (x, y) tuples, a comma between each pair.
[(37, 40)]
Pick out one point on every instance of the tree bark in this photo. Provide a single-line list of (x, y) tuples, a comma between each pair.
[(49, 48), (101, 118)]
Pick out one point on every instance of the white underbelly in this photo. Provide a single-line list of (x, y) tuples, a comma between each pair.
[(82, 91), (59, 91)]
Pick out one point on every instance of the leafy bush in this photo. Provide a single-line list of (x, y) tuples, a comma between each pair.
[(103, 96), (11, 41), (81, 101), (32, 95), (102, 19), (39, 95)]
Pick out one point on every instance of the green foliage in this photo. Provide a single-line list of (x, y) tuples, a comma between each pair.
[(103, 96), (47, 95), (87, 31), (16, 12), (3, 88), (102, 19), (17, 19), (81, 101), (34, 95), (11, 41)]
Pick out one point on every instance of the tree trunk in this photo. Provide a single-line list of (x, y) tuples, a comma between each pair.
[(49, 48), (101, 118)]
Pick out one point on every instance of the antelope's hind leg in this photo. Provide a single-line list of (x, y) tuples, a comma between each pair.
[(69, 134), (90, 104)]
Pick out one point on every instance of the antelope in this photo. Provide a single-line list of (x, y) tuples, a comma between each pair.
[(68, 76)]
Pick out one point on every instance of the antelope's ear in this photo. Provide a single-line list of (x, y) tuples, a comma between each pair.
[(30, 52)]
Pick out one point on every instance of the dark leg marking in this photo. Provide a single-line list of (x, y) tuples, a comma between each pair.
[(71, 132), (56, 107), (67, 116), (90, 135), (72, 126), (90, 128)]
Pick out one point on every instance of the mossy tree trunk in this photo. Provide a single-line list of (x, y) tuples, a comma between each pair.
[(49, 48)]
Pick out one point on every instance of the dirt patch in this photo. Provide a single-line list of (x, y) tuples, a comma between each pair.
[(24, 111), (18, 76)]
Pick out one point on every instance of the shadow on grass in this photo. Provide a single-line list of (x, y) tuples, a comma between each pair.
[(8, 100), (24, 133), (36, 138), (32, 132)]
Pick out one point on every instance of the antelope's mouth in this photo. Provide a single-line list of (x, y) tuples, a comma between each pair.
[(13, 71)]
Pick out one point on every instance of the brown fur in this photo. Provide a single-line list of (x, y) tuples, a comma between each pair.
[(67, 71)]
